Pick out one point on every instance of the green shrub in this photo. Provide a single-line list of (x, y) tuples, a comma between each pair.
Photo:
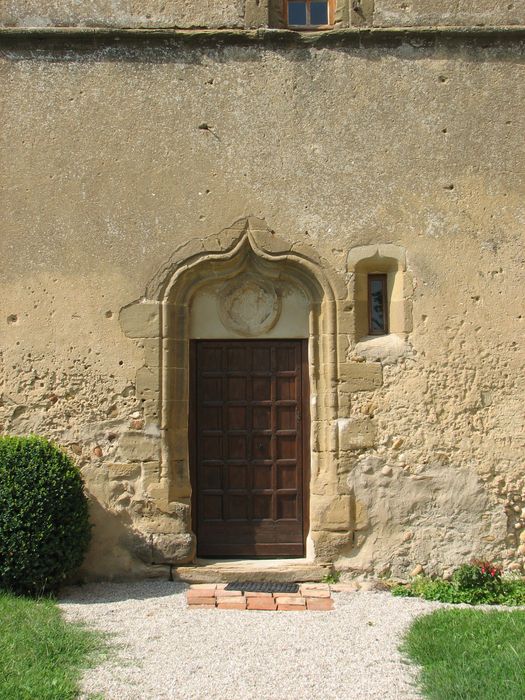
[(44, 526), (478, 574), (477, 583)]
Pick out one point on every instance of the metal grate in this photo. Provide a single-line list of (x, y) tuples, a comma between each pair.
[(262, 587)]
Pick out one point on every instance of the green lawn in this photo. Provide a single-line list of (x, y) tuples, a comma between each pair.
[(41, 656), (469, 654)]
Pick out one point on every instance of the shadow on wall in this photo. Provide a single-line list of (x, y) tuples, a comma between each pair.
[(117, 546)]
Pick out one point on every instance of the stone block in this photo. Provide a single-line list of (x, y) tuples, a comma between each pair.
[(174, 353), (176, 320), (361, 520), (346, 322), (160, 493), (140, 320), (173, 549), (306, 251), (150, 474), (269, 242), (329, 546), (175, 413), (152, 348), (360, 376), (386, 349), (180, 491), (123, 470), (255, 14), (151, 410), (356, 433), (362, 252), (350, 587), (147, 383), (163, 525), (343, 345), (137, 447), (161, 548), (331, 513), (361, 13)]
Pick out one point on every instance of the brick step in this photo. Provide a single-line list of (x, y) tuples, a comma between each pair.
[(310, 597)]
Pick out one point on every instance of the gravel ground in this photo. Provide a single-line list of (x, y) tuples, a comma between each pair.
[(165, 651)]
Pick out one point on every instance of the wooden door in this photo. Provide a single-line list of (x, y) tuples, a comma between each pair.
[(249, 453)]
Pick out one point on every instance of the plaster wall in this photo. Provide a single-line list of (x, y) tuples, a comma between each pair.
[(116, 161), (123, 13), (391, 13), (213, 14)]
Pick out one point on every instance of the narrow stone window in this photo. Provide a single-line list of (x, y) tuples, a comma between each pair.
[(377, 305), (381, 289), (308, 14)]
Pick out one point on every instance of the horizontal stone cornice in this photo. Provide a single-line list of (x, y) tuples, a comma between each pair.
[(417, 37)]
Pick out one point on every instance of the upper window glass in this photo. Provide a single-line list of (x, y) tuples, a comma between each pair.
[(377, 305), (307, 14)]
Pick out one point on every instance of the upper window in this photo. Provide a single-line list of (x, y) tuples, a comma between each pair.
[(382, 290), (308, 14)]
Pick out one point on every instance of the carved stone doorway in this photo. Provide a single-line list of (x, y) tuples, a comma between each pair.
[(243, 284)]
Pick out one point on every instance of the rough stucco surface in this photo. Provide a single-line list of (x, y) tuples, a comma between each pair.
[(105, 173), (388, 13), (244, 13), (123, 13)]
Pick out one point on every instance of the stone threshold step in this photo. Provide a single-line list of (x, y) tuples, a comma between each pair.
[(226, 570)]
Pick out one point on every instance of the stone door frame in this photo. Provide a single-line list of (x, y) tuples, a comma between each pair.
[(160, 320)]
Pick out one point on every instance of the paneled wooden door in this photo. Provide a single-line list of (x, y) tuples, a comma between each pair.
[(248, 439)]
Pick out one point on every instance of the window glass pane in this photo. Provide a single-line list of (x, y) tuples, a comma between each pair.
[(377, 306), (297, 13), (319, 13)]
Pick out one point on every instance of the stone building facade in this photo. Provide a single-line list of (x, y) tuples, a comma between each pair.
[(182, 173)]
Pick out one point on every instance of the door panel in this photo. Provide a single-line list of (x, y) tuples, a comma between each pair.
[(249, 458)]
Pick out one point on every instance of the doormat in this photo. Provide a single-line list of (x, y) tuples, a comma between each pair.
[(262, 587)]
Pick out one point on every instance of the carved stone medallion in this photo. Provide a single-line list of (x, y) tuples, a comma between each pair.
[(249, 305)]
